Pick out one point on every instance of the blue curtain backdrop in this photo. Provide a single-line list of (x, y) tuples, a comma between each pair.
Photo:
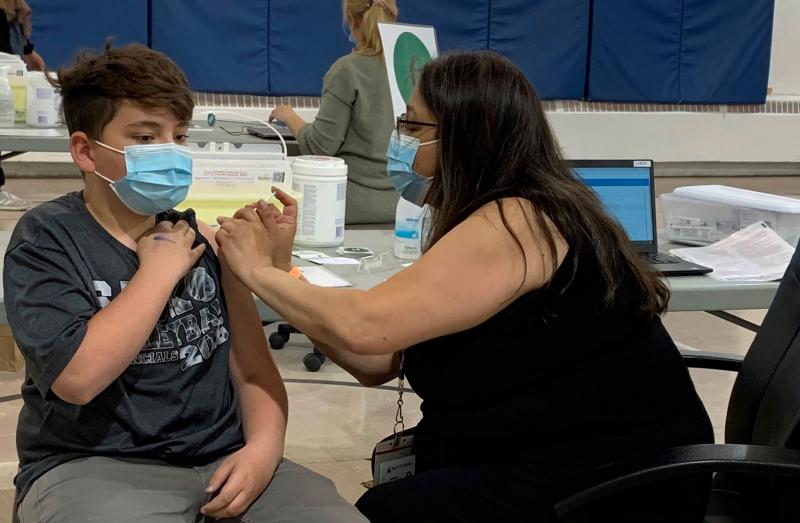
[(687, 51), (61, 28), (693, 51)]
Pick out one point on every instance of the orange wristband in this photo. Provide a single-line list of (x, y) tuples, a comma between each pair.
[(296, 273)]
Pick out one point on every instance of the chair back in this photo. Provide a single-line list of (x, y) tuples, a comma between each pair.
[(764, 407)]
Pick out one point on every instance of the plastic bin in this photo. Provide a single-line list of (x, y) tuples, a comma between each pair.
[(705, 214)]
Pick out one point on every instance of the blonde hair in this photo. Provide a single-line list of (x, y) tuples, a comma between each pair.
[(370, 13), (18, 11)]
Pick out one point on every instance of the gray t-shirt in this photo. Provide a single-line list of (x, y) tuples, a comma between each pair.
[(175, 401), (354, 122)]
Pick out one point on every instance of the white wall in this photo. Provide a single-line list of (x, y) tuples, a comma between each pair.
[(784, 77), (679, 137)]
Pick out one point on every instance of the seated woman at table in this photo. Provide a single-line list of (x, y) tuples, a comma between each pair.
[(355, 115), (530, 327), (15, 38)]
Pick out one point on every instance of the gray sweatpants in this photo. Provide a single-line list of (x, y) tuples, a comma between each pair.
[(100, 489)]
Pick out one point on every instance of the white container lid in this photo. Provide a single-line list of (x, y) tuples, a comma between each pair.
[(319, 166), (740, 198)]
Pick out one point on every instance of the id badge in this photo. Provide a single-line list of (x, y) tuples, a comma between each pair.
[(394, 459)]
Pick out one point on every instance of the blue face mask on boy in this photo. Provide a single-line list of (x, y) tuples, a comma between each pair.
[(158, 177), (400, 167)]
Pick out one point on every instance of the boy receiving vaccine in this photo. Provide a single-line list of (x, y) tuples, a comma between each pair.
[(150, 394)]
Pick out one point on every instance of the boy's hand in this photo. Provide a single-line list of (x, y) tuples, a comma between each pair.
[(167, 248), (238, 481)]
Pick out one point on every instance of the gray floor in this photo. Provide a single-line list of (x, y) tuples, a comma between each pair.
[(333, 427)]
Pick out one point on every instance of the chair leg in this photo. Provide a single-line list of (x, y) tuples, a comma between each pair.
[(314, 360), (280, 338)]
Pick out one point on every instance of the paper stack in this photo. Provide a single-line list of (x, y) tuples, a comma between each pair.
[(755, 253)]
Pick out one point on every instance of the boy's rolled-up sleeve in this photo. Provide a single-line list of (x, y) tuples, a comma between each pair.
[(48, 307)]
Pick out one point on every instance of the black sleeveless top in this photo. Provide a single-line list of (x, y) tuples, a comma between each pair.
[(550, 379)]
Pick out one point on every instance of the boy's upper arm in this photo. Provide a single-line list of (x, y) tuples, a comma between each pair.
[(248, 342), (48, 306), (208, 233)]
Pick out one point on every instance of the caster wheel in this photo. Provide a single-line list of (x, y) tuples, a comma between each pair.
[(284, 330), (277, 340), (313, 362)]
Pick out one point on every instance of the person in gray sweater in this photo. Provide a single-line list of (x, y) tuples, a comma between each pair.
[(355, 118)]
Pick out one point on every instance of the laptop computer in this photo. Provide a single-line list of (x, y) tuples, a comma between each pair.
[(627, 190), (269, 134)]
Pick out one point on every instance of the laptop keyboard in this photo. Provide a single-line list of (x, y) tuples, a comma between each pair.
[(659, 258)]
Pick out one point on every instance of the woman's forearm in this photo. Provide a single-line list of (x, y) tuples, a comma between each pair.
[(370, 371), (335, 317), (296, 124)]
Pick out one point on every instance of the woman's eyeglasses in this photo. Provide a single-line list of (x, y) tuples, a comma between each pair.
[(407, 127)]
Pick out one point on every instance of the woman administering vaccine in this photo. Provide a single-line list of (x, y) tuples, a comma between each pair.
[(355, 116), (530, 328)]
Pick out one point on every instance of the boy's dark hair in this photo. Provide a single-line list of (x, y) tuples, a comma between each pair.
[(93, 88)]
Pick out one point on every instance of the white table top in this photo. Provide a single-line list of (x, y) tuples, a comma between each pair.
[(23, 138), (689, 293)]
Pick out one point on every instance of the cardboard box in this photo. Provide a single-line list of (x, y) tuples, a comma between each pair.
[(10, 358)]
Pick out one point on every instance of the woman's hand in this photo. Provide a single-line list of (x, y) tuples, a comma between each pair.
[(244, 243), (259, 235), (34, 61), (284, 113), (286, 229), (287, 115)]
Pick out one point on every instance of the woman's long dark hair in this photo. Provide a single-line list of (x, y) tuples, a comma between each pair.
[(495, 143)]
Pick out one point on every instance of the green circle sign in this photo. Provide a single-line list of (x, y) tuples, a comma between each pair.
[(410, 56)]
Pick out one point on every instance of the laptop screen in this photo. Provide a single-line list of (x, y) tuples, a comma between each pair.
[(625, 190)]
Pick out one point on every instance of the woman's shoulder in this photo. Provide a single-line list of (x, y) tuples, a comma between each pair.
[(516, 213), (516, 224), (354, 62)]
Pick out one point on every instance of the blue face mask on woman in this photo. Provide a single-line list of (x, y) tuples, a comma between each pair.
[(400, 167), (158, 177)]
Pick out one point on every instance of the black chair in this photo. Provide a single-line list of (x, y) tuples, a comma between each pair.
[(313, 360), (757, 470)]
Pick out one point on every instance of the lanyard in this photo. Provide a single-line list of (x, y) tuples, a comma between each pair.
[(399, 425)]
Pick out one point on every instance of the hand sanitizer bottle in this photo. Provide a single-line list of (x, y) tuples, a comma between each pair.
[(409, 225)]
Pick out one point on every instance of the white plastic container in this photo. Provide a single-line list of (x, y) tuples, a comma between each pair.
[(17, 73), (56, 99), (705, 214), (225, 178), (19, 88), (322, 180), (40, 111), (6, 99), (409, 230)]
